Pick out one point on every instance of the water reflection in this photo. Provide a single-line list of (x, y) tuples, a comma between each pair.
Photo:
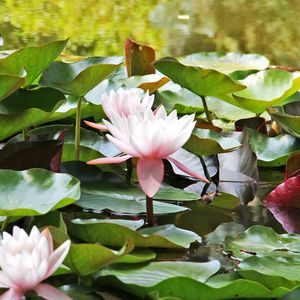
[(174, 27)]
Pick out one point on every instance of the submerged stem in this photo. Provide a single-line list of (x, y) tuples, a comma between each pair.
[(129, 171), (77, 129), (206, 110), (150, 214), (205, 169)]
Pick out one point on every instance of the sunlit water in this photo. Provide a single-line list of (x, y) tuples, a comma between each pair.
[(172, 27)]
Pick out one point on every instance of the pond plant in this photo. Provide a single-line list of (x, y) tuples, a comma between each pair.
[(128, 171)]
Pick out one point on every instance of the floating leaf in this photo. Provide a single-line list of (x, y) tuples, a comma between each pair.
[(36, 152), (273, 151), (33, 59), (263, 241), (226, 62), (266, 88), (284, 204), (116, 232), (26, 108), (80, 77), (184, 280), (203, 82), (290, 123), (208, 142), (35, 192)]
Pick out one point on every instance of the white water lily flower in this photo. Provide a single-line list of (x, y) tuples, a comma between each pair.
[(151, 137), (27, 260), (123, 103)]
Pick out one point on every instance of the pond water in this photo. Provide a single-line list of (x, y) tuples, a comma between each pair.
[(172, 27)]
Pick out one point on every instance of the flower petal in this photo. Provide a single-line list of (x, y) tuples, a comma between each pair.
[(11, 294), (57, 257), (100, 127), (49, 292), (187, 170), (109, 160), (150, 172)]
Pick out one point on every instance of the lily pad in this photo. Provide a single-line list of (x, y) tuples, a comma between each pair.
[(290, 123), (273, 151), (208, 142), (202, 82), (267, 88), (263, 241), (35, 192), (184, 280), (80, 77), (33, 59), (115, 233), (226, 62)]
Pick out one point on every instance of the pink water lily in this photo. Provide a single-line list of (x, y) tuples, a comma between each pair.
[(123, 102), (151, 137), (27, 260)]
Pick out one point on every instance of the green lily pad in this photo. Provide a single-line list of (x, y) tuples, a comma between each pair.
[(267, 88), (10, 83), (273, 151), (184, 101), (290, 123), (203, 82), (86, 259), (184, 280), (137, 256), (208, 142), (33, 59), (80, 77), (35, 192), (107, 191), (282, 267), (226, 62), (116, 232), (263, 241), (26, 108)]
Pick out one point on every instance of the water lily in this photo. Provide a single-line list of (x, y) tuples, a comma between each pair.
[(27, 260), (123, 102), (151, 137)]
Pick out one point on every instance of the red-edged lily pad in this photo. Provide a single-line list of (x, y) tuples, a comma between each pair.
[(284, 203)]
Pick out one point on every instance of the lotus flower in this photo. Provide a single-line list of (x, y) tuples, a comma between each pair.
[(151, 137), (123, 102), (27, 260)]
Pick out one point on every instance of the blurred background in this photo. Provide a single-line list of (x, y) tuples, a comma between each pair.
[(172, 27)]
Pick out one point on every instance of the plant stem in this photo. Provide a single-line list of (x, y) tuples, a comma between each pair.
[(25, 136), (129, 171), (205, 169), (77, 129), (206, 110), (4, 224), (150, 214)]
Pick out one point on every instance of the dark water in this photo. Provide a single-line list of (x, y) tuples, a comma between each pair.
[(172, 27)]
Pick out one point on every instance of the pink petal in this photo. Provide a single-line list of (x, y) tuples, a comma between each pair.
[(11, 294), (109, 160), (150, 172), (49, 292), (187, 170), (96, 126), (46, 232), (57, 257)]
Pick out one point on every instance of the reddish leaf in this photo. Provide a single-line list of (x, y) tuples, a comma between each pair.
[(284, 203), (38, 152), (292, 166), (139, 58), (257, 123)]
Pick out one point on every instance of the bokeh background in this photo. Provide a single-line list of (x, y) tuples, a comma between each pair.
[(172, 27)]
